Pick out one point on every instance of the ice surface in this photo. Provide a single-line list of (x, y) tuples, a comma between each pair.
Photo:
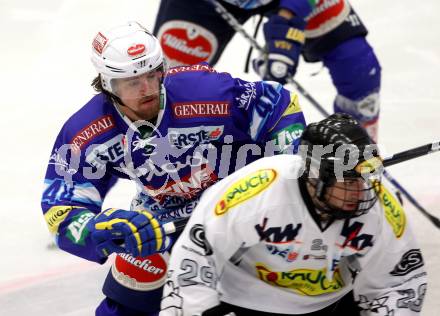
[(46, 75)]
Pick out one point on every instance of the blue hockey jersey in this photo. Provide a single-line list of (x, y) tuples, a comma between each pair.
[(209, 125)]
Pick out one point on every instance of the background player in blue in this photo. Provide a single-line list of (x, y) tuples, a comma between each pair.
[(328, 31), (172, 131)]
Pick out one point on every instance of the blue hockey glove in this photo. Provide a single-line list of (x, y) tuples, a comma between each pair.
[(138, 233), (284, 40)]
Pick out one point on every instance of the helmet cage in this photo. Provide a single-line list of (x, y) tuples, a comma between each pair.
[(321, 176), (344, 181)]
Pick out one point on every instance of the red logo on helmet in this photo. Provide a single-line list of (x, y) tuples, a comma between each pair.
[(99, 42), (136, 49)]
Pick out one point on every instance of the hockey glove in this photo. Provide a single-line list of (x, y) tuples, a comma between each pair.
[(284, 39), (138, 233)]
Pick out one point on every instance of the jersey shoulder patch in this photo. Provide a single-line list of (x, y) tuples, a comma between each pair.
[(394, 212)]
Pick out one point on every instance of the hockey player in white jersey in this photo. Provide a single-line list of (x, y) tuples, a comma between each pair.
[(302, 234)]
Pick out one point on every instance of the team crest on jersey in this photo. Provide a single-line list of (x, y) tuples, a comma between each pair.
[(307, 282), (186, 43), (245, 189)]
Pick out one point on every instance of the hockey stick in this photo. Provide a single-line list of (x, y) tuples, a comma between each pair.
[(232, 21), (176, 226), (406, 155), (179, 225), (411, 153)]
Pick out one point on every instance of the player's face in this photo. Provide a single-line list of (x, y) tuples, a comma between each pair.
[(140, 95), (346, 195)]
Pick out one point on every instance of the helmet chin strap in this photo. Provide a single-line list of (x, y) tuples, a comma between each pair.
[(318, 198), (316, 193), (320, 190)]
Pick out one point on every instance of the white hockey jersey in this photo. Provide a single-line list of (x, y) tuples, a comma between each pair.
[(253, 242)]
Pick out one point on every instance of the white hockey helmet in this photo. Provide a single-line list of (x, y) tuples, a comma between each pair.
[(125, 51)]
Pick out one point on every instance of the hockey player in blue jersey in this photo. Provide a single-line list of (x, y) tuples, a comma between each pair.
[(328, 31), (174, 132)]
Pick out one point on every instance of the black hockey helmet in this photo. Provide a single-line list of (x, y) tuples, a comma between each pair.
[(343, 166)]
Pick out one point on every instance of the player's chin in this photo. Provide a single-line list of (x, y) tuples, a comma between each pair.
[(148, 108)]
